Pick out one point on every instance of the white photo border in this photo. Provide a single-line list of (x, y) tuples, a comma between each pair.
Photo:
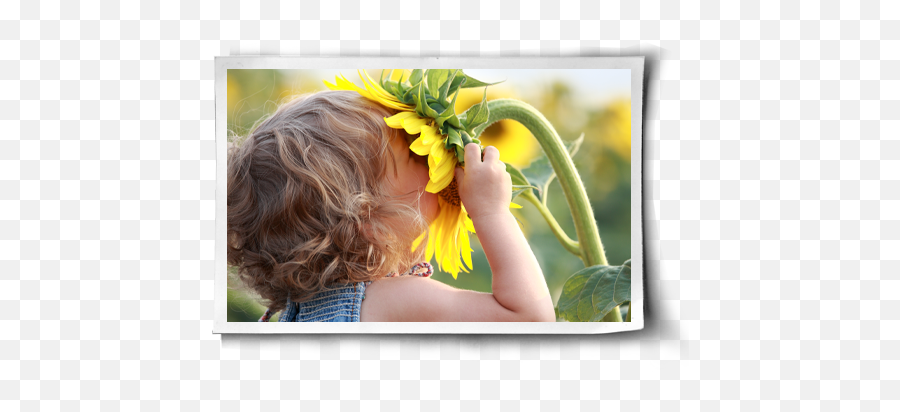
[(634, 63)]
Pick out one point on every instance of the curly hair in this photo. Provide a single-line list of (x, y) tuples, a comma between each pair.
[(307, 203)]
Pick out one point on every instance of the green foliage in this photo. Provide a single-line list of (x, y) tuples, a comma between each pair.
[(477, 115), (517, 177), (519, 189), (593, 292), (540, 173), (519, 182), (241, 306)]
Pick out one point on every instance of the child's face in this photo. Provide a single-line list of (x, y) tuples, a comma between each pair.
[(412, 177)]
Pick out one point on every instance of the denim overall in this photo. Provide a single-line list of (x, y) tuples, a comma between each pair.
[(341, 304)]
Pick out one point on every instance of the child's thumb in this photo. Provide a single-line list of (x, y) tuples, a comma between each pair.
[(459, 173)]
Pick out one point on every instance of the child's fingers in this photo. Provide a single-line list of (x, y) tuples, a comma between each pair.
[(473, 154), (491, 154), (459, 173)]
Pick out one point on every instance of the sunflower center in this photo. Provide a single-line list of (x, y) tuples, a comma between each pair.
[(451, 193)]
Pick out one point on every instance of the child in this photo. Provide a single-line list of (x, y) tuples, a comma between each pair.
[(325, 201)]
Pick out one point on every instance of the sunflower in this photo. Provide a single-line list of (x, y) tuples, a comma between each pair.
[(424, 109)]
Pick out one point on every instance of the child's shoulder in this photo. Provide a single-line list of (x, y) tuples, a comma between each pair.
[(398, 299), (421, 299)]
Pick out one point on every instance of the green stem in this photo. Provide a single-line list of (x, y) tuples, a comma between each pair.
[(592, 252), (572, 246), (628, 316)]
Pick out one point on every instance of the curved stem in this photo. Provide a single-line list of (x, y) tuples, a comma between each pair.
[(572, 246), (592, 252), (628, 316), (576, 196)]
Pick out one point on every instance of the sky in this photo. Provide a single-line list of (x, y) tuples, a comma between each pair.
[(593, 85), (590, 85)]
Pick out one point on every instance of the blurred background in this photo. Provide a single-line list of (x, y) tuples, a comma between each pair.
[(590, 101)]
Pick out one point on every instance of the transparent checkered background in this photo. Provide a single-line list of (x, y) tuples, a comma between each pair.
[(772, 211)]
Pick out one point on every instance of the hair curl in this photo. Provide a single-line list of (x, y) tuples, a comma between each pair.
[(307, 204)]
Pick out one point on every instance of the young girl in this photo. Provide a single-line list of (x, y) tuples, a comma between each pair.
[(325, 201)]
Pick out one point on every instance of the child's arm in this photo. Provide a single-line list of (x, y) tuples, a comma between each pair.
[(519, 289), (485, 188)]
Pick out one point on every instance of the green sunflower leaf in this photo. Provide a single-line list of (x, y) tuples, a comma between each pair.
[(402, 88), (477, 115), (462, 80), (449, 115), (416, 76), (437, 107), (421, 102), (593, 292), (477, 130), (518, 179), (391, 87), (434, 78), (445, 87), (540, 174), (472, 82), (432, 110), (519, 189), (409, 96), (453, 138), (457, 82)]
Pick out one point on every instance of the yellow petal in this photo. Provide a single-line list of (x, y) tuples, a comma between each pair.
[(436, 231), (341, 83), (429, 133), (413, 125), (470, 226), (382, 96), (417, 242), (441, 175), (345, 84), (396, 121), (514, 206), (437, 153), (429, 249), (446, 166), (420, 147), (455, 246), (448, 240), (374, 87), (465, 248), (438, 183)]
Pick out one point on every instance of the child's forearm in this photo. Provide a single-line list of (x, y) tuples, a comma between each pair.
[(518, 282)]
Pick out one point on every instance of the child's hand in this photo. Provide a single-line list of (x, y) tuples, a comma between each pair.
[(485, 187)]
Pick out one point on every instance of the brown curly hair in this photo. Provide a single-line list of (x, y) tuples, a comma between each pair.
[(307, 204)]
